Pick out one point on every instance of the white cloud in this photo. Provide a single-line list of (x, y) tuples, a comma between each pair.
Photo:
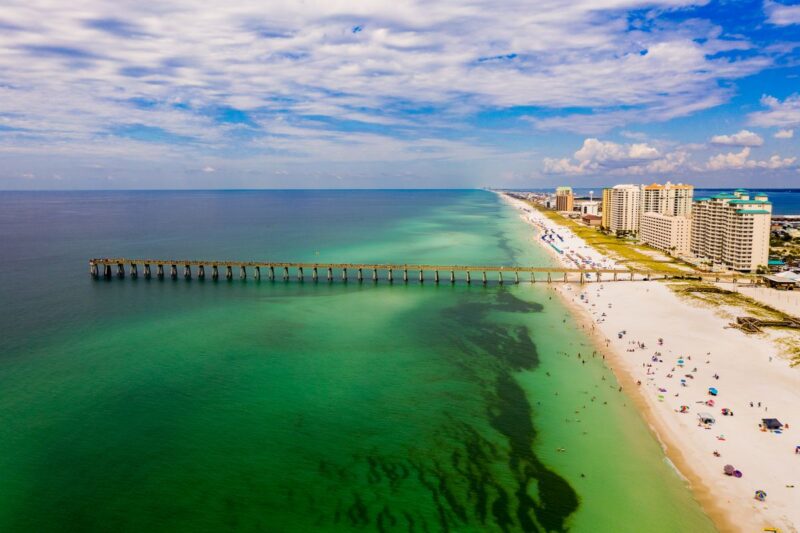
[(779, 113), (209, 169), (607, 156), (741, 160), (782, 15), (743, 138), (76, 71), (784, 134)]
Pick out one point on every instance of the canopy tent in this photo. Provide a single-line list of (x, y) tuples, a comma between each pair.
[(771, 423), (706, 418)]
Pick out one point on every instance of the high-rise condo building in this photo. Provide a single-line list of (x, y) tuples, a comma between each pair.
[(605, 210), (622, 207), (668, 233), (673, 199), (665, 222), (732, 229), (565, 201)]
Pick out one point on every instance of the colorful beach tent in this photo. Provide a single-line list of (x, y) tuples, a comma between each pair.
[(712, 391)]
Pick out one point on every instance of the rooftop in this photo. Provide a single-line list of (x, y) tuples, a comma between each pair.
[(668, 185)]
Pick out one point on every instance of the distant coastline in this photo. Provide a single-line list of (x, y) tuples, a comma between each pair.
[(784, 201), (649, 311)]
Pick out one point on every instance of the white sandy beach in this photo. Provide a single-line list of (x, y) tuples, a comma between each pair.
[(743, 368)]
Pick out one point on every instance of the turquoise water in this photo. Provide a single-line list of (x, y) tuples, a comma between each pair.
[(197, 406)]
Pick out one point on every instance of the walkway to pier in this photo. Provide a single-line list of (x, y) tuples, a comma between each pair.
[(174, 268)]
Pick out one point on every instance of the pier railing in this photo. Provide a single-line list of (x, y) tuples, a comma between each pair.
[(175, 268)]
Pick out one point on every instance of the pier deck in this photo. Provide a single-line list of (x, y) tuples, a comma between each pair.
[(110, 267)]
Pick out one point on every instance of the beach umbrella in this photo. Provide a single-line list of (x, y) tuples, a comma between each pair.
[(712, 391), (729, 470), (761, 495)]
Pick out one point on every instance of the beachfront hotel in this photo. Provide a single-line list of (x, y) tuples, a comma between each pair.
[(668, 233), (665, 223), (625, 208), (622, 208), (732, 229), (565, 200), (672, 199)]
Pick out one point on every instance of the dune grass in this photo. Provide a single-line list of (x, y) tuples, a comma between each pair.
[(629, 253)]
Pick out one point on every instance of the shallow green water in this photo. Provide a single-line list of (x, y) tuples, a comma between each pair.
[(197, 406)]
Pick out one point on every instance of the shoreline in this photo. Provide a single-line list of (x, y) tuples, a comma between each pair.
[(726, 505)]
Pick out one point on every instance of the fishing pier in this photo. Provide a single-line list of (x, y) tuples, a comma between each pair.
[(188, 269)]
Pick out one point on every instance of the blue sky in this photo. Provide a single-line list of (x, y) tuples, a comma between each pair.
[(398, 93)]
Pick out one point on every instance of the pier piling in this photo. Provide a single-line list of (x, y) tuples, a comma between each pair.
[(484, 277), (516, 278), (360, 275), (421, 277), (314, 274), (452, 276), (300, 273), (500, 277), (242, 272), (201, 272), (436, 276), (272, 273), (285, 273), (389, 276), (229, 272), (375, 275), (187, 272), (214, 272), (147, 271), (134, 272), (405, 275), (173, 271), (160, 271), (107, 272), (469, 279), (120, 270), (344, 275), (257, 273), (330, 274)]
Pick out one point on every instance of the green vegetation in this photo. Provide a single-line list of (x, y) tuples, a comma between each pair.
[(791, 346), (785, 248), (623, 250), (710, 294)]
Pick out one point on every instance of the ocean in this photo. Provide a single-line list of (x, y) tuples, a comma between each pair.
[(148, 405)]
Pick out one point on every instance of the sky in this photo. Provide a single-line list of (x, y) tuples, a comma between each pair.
[(398, 94)]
